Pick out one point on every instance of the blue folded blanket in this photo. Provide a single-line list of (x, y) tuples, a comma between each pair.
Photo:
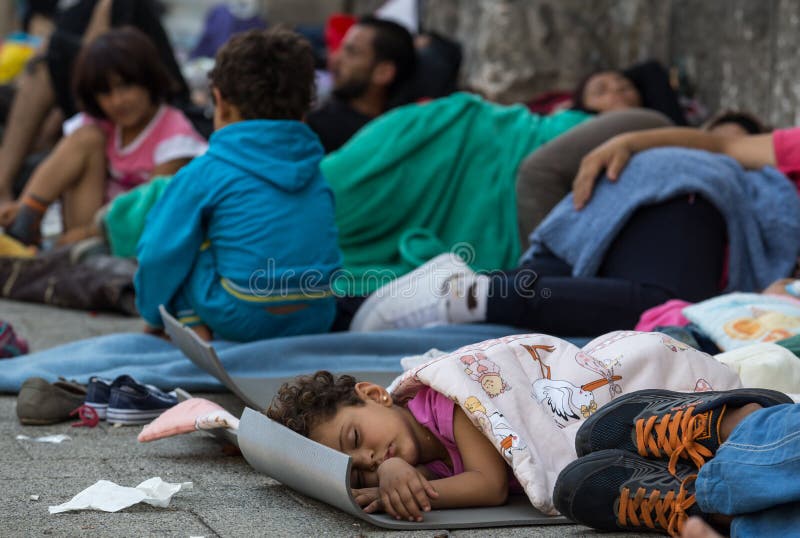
[(761, 209), (156, 361)]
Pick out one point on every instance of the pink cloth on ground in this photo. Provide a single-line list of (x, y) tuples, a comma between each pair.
[(669, 313), (168, 136), (436, 412), (178, 419)]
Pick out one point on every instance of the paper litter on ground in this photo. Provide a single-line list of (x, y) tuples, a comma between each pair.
[(110, 497), (45, 439)]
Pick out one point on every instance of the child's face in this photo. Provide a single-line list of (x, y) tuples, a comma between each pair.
[(370, 433), (126, 105)]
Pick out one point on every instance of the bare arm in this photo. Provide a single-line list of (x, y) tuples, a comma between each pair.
[(751, 151), (405, 492), (100, 21), (484, 481)]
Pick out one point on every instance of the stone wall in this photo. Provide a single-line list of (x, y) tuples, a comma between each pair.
[(515, 49), (741, 53), (736, 53)]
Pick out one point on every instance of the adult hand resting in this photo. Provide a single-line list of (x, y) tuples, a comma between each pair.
[(752, 151), (611, 157)]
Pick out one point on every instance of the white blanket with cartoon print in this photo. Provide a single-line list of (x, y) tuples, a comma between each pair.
[(529, 393)]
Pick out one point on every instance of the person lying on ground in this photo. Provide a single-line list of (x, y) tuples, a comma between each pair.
[(400, 451), (127, 135), (491, 419), (242, 242), (642, 261), (740, 480), (732, 122), (545, 177), (644, 84)]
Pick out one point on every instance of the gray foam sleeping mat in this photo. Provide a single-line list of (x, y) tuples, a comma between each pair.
[(316, 470)]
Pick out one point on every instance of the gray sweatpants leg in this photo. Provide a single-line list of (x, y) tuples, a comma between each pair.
[(546, 175)]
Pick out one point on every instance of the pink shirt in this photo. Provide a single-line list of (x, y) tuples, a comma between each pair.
[(435, 411), (786, 143), (168, 136)]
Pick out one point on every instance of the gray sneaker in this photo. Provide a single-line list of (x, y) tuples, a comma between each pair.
[(41, 403)]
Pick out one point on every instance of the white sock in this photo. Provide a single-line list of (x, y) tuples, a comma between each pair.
[(467, 298)]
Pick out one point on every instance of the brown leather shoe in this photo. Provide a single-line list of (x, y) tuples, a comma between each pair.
[(41, 403)]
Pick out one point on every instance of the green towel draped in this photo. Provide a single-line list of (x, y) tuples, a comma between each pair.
[(426, 178)]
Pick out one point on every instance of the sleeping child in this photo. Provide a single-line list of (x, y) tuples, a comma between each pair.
[(469, 427)]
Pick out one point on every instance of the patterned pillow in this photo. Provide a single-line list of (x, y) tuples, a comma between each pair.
[(740, 319)]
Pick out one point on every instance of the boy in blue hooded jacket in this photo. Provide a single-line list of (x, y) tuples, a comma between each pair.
[(242, 243)]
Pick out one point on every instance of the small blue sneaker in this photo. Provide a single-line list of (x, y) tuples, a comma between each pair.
[(97, 395), (131, 402)]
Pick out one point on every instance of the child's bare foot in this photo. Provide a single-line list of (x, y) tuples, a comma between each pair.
[(78, 234), (155, 331), (8, 212), (695, 527), (202, 332)]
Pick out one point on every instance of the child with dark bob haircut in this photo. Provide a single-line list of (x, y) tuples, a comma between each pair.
[(408, 457), (242, 243), (126, 135), (127, 53)]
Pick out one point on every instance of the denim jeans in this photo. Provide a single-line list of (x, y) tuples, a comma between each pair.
[(755, 475)]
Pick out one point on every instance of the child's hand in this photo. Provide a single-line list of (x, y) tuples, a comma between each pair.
[(612, 156), (155, 331), (404, 492), (368, 498)]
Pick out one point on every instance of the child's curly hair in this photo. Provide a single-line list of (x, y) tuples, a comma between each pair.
[(267, 74), (311, 399)]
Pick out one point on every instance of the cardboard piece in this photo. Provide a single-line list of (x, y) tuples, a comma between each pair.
[(321, 472), (256, 392)]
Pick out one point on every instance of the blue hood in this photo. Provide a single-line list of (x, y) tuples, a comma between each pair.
[(284, 153)]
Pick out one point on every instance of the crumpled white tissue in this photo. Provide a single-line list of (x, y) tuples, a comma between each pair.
[(45, 439), (110, 497)]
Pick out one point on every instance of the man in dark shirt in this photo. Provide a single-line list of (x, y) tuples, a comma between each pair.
[(375, 62)]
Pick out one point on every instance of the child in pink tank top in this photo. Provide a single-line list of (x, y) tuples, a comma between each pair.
[(169, 136), (408, 457), (127, 136)]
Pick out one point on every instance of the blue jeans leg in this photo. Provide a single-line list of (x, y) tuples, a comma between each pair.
[(756, 470), (782, 520)]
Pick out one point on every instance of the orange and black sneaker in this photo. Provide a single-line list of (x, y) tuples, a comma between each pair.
[(667, 425), (615, 490)]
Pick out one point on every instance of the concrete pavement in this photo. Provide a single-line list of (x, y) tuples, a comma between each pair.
[(229, 498)]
